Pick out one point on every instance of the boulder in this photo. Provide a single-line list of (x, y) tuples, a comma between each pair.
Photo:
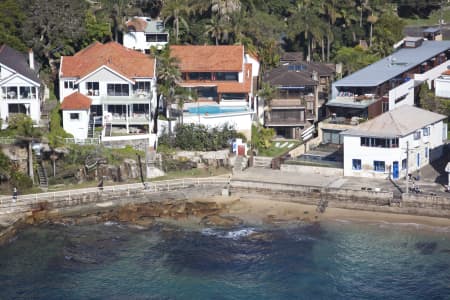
[(221, 221)]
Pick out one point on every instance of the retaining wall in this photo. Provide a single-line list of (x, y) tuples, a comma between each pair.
[(308, 169), (341, 198)]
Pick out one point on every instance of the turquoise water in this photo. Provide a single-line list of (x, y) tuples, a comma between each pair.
[(216, 109), (335, 260)]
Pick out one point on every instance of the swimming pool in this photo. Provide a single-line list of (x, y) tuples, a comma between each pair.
[(209, 109)]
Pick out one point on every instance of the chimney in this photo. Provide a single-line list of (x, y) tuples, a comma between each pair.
[(31, 58)]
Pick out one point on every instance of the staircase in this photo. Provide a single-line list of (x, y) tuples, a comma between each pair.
[(91, 128), (262, 162), (240, 164), (90, 164), (47, 108), (322, 205), (41, 173)]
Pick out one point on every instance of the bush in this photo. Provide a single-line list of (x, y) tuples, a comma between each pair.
[(199, 137)]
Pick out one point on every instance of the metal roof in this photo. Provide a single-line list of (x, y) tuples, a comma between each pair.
[(398, 122), (393, 65), (432, 30)]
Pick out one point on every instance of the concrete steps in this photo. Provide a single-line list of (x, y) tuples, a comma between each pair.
[(262, 162), (240, 164)]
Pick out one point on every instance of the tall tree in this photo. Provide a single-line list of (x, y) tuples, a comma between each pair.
[(217, 29), (168, 76), (54, 28), (177, 11), (117, 12), (12, 17)]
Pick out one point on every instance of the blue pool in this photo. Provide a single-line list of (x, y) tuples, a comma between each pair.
[(209, 109)]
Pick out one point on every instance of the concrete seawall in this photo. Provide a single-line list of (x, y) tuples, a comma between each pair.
[(381, 201)]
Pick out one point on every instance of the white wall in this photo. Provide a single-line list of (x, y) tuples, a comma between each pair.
[(33, 104), (78, 128), (407, 88), (5, 72), (138, 41), (242, 122), (432, 74), (354, 150), (442, 86)]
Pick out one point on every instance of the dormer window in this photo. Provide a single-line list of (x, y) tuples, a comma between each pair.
[(69, 84)]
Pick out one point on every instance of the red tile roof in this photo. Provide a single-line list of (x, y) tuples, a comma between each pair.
[(76, 101), (209, 58), (446, 72), (128, 63), (226, 86)]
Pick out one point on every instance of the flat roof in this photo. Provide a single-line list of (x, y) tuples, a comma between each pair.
[(393, 65)]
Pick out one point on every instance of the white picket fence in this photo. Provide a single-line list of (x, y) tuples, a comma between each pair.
[(24, 203)]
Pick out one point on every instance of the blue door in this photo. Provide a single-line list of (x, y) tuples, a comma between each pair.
[(395, 170)]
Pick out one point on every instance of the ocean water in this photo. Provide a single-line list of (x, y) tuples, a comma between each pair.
[(330, 260)]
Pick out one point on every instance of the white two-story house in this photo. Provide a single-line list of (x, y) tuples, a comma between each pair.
[(121, 84), (20, 85), (144, 33), (394, 144)]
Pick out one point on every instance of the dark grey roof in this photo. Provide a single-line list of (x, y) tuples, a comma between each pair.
[(394, 65), (292, 56), (432, 30), (18, 62), (297, 74)]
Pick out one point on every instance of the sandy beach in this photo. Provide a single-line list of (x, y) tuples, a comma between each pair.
[(260, 211)]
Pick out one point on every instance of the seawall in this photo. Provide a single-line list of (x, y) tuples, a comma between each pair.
[(381, 201)]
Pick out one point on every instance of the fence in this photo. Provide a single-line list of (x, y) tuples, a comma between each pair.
[(24, 203), (87, 141)]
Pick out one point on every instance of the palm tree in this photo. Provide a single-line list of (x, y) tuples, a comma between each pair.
[(117, 11), (168, 76), (176, 10), (225, 8), (217, 29)]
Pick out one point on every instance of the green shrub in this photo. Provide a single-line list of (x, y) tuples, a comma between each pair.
[(199, 137)]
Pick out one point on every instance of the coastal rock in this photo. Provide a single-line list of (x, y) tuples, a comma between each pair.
[(221, 221)]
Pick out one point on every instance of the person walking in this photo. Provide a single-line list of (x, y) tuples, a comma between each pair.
[(14, 194)]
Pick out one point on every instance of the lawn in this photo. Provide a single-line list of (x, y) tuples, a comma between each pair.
[(274, 151)]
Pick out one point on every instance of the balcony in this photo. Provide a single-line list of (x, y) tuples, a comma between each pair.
[(353, 101), (340, 123)]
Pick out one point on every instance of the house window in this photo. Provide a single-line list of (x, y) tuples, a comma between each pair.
[(142, 87), (418, 159), (9, 92), (118, 89), (417, 135), (385, 106), (226, 76), (27, 92), (16, 108), (404, 164), (200, 76), (152, 37), (356, 164), (74, 116), (69, 84), (378, 166), (426, 152), (426, 131), (93, 88)]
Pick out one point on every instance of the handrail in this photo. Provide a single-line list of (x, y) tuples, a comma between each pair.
[(23, 201)]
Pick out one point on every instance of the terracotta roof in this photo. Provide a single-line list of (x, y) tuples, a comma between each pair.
[(76, 101), (446, 72), (209, 58), (128, 63), (226, 86)]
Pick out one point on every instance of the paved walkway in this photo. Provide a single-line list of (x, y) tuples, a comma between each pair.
[(351, 183)]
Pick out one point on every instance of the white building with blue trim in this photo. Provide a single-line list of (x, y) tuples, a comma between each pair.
[(394, 144)]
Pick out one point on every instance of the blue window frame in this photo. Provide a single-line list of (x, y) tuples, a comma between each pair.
[(356, 164), (404, 164), (379, 166)]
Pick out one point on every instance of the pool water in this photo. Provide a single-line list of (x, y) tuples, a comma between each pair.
[(209, 109)]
